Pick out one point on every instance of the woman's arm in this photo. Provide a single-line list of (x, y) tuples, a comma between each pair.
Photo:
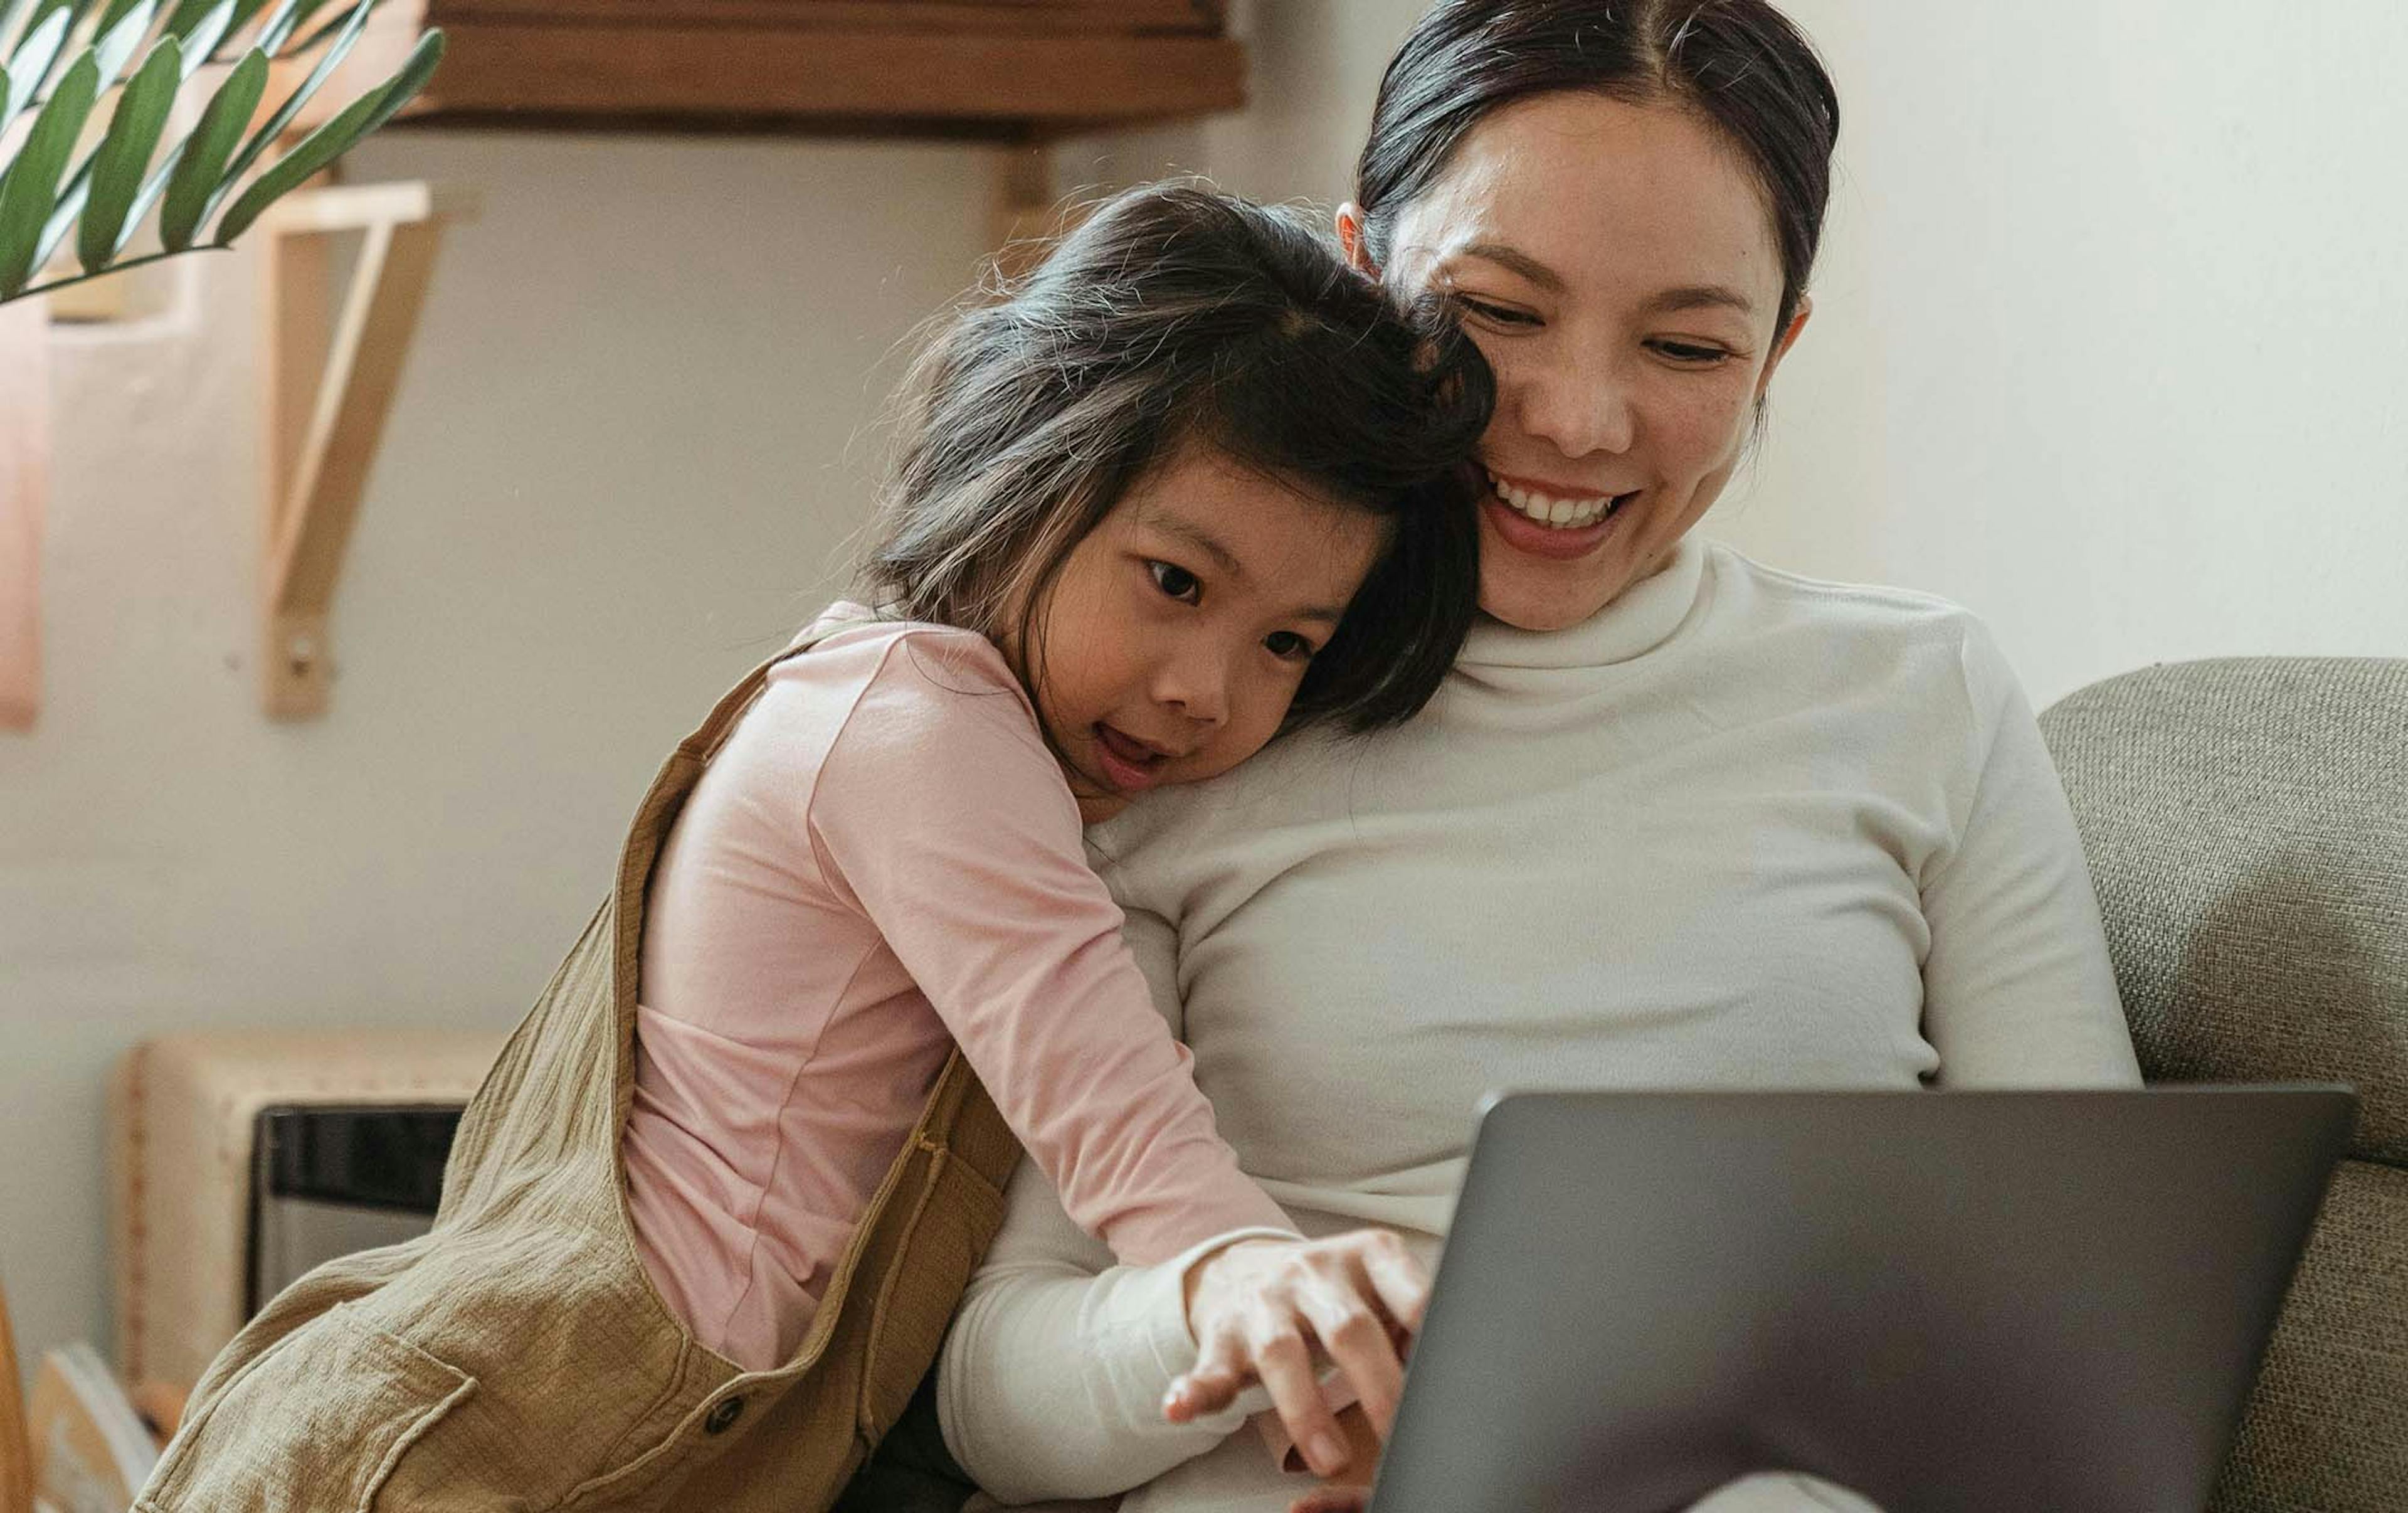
[(2019, 990)]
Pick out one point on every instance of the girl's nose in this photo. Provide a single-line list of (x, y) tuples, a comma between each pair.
[(1196, 682)]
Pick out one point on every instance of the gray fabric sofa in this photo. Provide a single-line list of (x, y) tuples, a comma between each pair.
[(2247, 823)]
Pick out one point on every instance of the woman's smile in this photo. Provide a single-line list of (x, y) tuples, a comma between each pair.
[(1551, 520)]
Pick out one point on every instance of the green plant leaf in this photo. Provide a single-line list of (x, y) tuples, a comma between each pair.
[(270, 35), (77, 12), (125, 155), (121, 34), (325, 29), (29, 69), (32, 190), (200, 39), (11, 12), (335, 137), (70, 205), (267, 135), (201, 175), (296, 14), (152, 189), (185, 19)]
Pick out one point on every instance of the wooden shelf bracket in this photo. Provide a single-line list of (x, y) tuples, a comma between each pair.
[(329, 378)]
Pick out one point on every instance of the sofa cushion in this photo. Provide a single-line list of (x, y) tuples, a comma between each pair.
[(2326, 1428), (2246, 824)]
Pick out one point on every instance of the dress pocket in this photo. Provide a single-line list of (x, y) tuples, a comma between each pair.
[(317, 1423)]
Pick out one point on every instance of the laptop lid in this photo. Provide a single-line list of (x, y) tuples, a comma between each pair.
[(1945, 1301)]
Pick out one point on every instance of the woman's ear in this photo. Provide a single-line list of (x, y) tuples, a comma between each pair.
[(1350, 236), (1787, 339)]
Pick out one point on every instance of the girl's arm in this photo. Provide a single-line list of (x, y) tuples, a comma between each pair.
[(939, 813), (2019, 990), (1053, 1377)]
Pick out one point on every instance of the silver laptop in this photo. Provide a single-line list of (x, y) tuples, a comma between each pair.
[(2001, 1301)]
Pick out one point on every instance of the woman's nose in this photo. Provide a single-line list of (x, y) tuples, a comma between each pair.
[(1582, 408)]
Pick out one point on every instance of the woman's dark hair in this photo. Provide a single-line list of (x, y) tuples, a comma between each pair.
[(1741, 64), (1177, 317)]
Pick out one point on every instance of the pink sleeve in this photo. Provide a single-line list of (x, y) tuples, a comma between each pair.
[(941, 811)]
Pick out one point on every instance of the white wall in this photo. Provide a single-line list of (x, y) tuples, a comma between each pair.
[(2110, 329), (626, 452)]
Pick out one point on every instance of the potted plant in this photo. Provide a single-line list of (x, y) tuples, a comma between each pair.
[(60, 60)]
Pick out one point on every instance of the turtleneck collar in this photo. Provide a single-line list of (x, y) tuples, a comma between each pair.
[(1639, 619)]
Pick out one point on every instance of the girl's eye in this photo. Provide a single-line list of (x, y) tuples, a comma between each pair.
[(1288, 646), (1175, 581), (1495, 314)]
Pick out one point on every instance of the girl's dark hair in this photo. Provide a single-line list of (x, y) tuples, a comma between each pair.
[(1741, 64), (1174, 317)]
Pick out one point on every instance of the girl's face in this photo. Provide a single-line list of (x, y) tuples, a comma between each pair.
[(1617, 266), (1174, 637)]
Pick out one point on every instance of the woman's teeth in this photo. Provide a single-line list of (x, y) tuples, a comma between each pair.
[(1563, 515)]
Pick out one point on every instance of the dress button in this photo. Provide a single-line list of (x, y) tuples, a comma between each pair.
[(728, 1410)]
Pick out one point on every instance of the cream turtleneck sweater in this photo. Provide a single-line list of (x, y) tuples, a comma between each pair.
[(1738, 829)]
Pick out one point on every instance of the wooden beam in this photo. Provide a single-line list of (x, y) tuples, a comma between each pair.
[(25, 492), (798, 75), (318, 469), (1056, 16)]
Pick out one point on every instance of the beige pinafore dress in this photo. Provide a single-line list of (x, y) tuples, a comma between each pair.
[(517, 1357)]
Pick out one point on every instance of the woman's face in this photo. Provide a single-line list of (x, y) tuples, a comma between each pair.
[(1617, 265)]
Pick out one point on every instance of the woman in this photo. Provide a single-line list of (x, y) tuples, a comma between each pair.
[(1675, 819)]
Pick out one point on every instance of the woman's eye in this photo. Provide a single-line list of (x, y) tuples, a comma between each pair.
[(1495, 314), (1175, 581), (1686, 352), (1288, 646)]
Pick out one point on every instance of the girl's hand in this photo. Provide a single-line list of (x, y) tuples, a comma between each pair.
[(1352, 1490), (1256, 1307)]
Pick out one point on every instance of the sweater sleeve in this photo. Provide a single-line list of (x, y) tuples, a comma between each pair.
[(1052, 1376), (940, 812), (2019, 990)]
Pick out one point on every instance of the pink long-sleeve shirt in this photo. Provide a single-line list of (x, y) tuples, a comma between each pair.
[(884, 860)]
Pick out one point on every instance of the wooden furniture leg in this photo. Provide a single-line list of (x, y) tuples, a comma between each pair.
[(16, 1448)]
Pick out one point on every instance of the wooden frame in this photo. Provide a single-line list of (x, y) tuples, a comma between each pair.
[(330, 380)]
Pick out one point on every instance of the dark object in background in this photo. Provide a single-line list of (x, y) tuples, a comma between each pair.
[(331, 1181)]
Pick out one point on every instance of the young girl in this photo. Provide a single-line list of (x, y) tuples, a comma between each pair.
[(1194, 484)]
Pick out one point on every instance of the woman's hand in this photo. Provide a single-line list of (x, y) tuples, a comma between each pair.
[(1255, 1309)]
